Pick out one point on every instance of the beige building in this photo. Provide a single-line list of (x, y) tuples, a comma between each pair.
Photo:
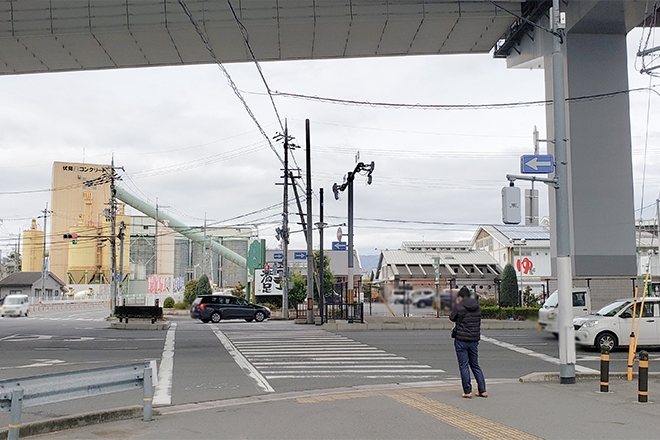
[(33, 249), (78, 207)]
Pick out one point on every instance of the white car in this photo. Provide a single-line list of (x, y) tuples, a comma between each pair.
[(15, 304), (548, 315), (611, 326)]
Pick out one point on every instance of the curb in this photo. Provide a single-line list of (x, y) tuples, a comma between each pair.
[(77, 421), (554, 377)]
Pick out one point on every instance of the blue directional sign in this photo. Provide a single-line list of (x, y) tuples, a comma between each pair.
[(300, 255), (339, 246), (537, 164), (278, 256)]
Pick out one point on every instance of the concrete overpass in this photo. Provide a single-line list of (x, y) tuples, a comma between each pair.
[(39, 36)]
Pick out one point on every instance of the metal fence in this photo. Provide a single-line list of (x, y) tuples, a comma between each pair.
[(332, 312), (52, 388)]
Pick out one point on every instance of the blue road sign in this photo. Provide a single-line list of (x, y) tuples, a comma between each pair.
[(278, 256), (537, 164), (339, 246), (300, 255)]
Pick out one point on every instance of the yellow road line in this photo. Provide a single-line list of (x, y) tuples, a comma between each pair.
[(466, 421)]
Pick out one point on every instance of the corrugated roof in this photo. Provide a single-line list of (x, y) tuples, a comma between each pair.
[(518, 232), (21, 279)]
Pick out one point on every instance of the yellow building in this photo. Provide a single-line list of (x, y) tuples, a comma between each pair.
[(33, 249), (81, 209)]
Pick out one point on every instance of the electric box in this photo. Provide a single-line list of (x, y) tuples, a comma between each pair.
[(511, 214)]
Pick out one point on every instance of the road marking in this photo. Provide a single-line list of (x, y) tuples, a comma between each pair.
[(461, 419), (242, 362), (528, 352), (163, 393)]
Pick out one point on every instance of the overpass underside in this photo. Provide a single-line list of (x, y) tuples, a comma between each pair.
[(65, 35)]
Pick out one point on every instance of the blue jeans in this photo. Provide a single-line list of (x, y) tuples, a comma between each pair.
[(468, 357)]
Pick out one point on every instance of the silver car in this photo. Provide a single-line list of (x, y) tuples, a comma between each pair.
[(611, 326)]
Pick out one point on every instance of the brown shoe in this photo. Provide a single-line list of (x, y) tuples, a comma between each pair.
[(484, 394), (467, 396)]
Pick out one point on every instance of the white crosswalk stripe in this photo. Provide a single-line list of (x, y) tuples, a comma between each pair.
[(320, 354)]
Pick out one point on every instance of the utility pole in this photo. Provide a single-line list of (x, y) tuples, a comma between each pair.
[(285, 226), (122, 227), (308, 229), (156, 241), (321, 270), (113, 236), (44, 271), (567, 357)]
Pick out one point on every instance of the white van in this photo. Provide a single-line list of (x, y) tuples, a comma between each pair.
[(548, 315), (15, 305)]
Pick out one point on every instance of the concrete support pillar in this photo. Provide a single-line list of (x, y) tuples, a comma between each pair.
[(599, 154)]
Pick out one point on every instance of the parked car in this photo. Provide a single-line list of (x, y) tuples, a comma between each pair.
[(16, 305), (611, 325), (215, 308), (422, 298), (548, 315)]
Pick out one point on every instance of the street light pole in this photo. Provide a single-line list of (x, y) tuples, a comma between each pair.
[(336, 188)]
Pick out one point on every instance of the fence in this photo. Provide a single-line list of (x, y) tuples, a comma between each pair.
[(330, 312), (69, 305), (52, 388)]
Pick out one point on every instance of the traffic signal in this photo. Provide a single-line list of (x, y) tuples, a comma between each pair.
[(267, 269), (72, 237)]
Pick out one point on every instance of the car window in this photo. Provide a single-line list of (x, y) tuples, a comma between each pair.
[(647, 311), (579, 299), (241, 302), (231, 300), (612, 309)]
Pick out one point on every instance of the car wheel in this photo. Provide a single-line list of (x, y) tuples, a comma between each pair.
[(248, 319), (607, 340), (215, 317), (421, 304), (259, 316)]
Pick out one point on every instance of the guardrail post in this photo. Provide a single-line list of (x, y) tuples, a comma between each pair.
[(147, 395), (604, 369), (15, 416), (643, 377)]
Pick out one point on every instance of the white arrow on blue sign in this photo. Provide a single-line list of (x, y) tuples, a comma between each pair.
[(537, 164), (339, 246), (278, 256), (300, 255)]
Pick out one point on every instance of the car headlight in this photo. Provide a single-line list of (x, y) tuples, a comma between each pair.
[(590, 323), (552, 315)]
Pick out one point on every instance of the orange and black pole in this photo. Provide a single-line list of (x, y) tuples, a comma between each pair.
[(604, 369), (643, 377)]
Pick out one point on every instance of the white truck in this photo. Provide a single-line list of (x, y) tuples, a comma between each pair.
[(548, 316)]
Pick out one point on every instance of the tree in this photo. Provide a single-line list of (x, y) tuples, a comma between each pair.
[(509, 287), (203, 286), (190, 293), (298, 290), (329, 278), (238, 290)]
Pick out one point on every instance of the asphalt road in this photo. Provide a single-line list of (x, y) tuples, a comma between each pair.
[(239, 359)]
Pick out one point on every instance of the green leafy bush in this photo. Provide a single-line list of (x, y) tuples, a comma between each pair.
[(180, 306), (190, 293), (168, 303), (518, 313)]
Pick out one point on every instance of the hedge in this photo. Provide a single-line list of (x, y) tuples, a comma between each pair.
[(518, 313)]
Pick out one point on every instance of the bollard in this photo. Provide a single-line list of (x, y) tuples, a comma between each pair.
[(643, 377), (15, 416), (604, 369), (147, 395)]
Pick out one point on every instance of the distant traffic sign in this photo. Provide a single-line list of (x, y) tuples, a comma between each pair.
[(339, 246), (537, 164), (300, 255), (278, 256)]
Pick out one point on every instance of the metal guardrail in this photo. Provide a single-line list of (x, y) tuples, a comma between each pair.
[(52, 388)]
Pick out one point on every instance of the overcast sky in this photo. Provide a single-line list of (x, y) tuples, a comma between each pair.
[(183, 137)]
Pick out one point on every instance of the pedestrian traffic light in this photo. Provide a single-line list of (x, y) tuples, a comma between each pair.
[(267, 269)]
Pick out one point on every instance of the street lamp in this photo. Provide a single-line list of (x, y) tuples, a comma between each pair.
[(348, 182)]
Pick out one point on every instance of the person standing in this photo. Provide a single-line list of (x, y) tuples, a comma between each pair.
[(467, 316)]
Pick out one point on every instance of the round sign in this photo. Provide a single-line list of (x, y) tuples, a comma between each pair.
[(339, 234)]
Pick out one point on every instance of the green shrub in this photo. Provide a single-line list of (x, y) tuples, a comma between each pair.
[(190, 293), (491, 302), (180, 306), (509, 287), (506, 313), (168, 303)]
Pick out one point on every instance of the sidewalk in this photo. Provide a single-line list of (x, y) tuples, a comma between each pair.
[(430, 410)]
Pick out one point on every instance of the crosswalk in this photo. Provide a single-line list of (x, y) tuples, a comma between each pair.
[(319, 354)]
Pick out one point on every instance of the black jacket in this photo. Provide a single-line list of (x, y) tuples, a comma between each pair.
[(467, 316)]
